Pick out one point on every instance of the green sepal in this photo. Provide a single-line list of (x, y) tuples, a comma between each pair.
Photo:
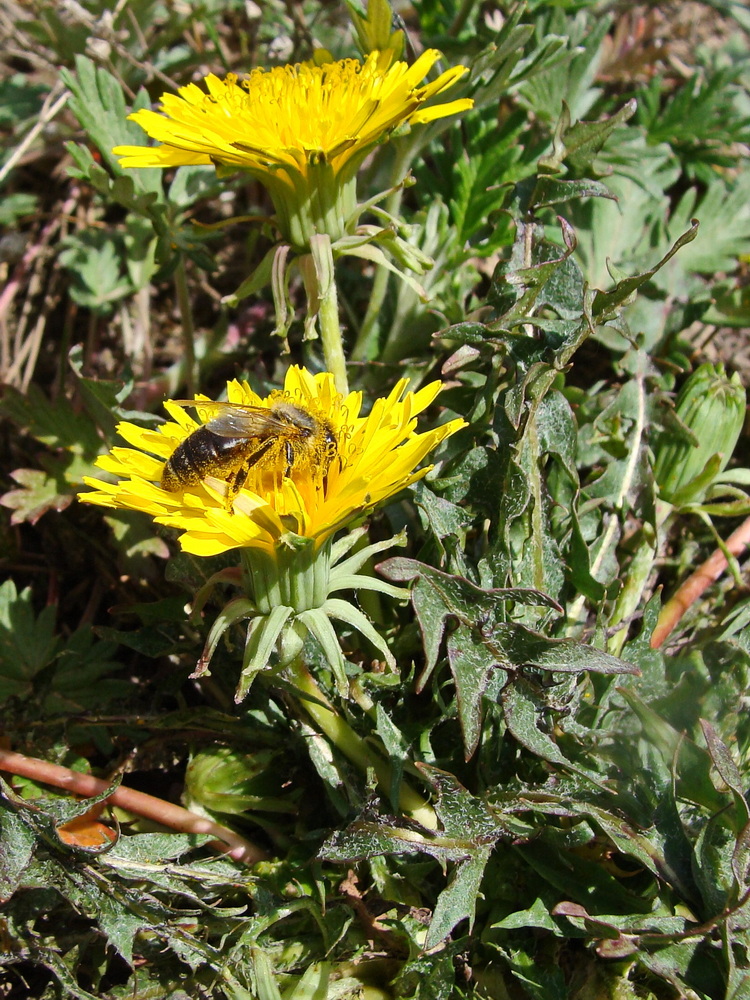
[(376, 256), (346, 543), (346, 612), (405, 253), (232, 574), (283, 307), (356, 581), (262, 635), (319, 626), (356, 561), (259, 278), (231, 613), (699, 484), (374, 30)]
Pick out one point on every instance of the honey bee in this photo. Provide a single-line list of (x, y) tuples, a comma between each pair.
[(241, 437)]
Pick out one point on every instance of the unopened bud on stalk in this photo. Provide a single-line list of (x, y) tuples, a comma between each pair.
[(223, 780), (375, 31), (711, 408)]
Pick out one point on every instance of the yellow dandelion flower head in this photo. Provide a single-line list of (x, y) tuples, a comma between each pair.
[(308, 462), (280, 122)]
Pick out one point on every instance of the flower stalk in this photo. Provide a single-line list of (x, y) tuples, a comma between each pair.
[(328, 311), (353, 747)]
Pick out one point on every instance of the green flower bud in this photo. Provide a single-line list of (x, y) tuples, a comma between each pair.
[(375, 31), (709, 412), (223, 780)]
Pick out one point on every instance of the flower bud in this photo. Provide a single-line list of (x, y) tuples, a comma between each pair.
[(710, 410), (223, 780), (375, 31)]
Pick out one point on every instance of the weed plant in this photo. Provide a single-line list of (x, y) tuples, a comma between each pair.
[(517, 767)]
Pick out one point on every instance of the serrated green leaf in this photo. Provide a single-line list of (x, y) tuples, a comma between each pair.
[(516, 646), (728, 771), (443, 517), (38, 493), (50, 959), (98, 102), (522, 715), (519, 282), (605, 303), (20, 99), (17, 842), (537, 915), (27, 642), (472, 665), (80, 671), (55, 424), (551, 191), (262, 635), (458, 901), (16, 206), (95, 268), (465, 817), (580, 143), (154, 848), (692, 763)]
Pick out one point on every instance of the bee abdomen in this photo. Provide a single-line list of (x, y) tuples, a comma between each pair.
[(200, 453)]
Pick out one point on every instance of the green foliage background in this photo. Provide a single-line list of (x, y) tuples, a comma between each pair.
[(591, 789)]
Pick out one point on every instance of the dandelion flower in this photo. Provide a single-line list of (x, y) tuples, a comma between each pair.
[(375, 457), (302, 130)]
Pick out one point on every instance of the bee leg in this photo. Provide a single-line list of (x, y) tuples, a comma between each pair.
[(235, 484), (289, 453)]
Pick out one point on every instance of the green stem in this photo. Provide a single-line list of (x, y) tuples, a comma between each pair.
[(188, 327), (370, 328), (537, 512), (461, 18), (638, 574), (343, 737), (364, 348), (611, 534), (328, 315)]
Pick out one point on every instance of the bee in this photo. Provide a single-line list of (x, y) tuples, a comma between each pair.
[(241, 437)]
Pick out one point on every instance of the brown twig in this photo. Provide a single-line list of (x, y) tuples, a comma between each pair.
[(697, 582), (148, 806)]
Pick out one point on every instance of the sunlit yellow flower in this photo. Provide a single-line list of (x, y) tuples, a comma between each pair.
[(302, 130), (375, 456)]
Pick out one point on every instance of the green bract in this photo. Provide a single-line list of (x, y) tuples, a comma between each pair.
[(711, 409)]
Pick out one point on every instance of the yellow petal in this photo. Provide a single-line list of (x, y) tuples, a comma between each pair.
[(377, 456)]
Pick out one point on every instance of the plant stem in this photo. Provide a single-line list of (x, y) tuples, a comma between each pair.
[(368, 332), (461, 18), (139, 803), (639, 571), (188, 327), (343, 737), (328, 315), (611, 534)]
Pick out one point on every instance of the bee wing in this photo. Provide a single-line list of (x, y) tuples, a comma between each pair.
[(235, 419)]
